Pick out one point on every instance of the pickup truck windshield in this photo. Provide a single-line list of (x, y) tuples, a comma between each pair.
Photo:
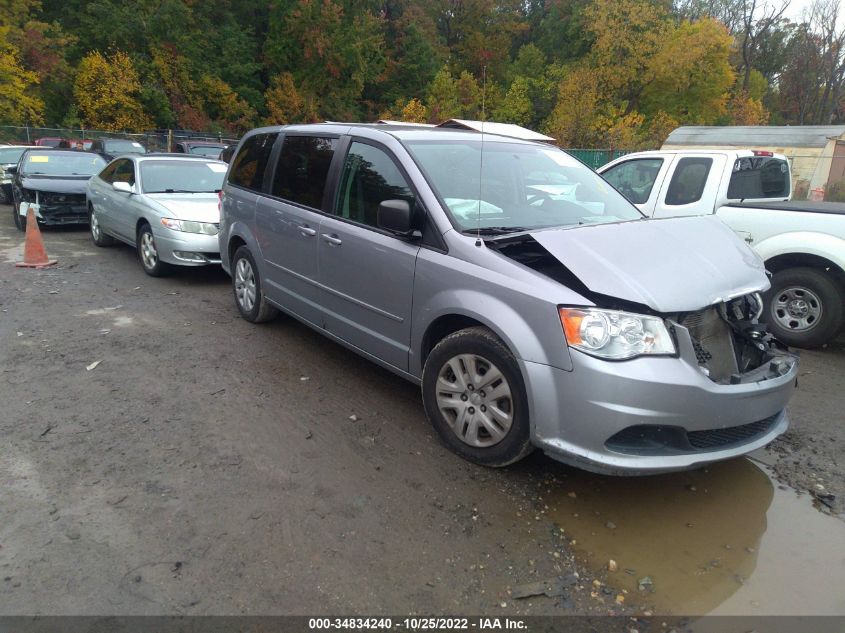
[(516, 186), (756, 177)]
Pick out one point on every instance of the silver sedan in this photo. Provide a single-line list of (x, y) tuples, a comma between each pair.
[(165, 206)]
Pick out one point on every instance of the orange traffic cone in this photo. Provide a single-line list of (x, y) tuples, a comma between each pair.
[(34, 253)]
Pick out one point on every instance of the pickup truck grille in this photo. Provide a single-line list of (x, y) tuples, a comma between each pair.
[(713, 343)]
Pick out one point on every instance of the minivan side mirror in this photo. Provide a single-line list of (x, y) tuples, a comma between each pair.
[(125, 187), (12, 170), (395, 216)]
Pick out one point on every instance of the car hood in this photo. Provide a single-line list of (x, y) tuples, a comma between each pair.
[(670, 265), (197, 207), (71, 184)]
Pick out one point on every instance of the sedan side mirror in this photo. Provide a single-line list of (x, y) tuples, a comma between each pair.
[(124, 187), (12, 170), (395, 216)]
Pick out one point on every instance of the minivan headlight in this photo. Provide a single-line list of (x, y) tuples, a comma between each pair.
[(615, 335)]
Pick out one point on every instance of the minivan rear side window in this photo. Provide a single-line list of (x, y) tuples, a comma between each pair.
[(251, 162), (688, 181), (759, 177), (303, 168)]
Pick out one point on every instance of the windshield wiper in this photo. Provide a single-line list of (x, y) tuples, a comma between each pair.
[(495, 230), (175, 191)]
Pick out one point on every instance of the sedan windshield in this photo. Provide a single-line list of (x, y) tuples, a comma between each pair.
[(11, 155), (516, 186), (70, 163), (182, 176)]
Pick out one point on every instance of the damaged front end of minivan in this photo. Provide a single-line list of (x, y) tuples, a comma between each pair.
[(678, 368)]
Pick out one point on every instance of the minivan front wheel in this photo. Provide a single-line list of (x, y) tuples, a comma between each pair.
[(475, 398), (246, 286)]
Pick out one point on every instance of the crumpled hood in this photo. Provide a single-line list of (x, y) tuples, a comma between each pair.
[(56, 185), (197, 207), (670, 265)]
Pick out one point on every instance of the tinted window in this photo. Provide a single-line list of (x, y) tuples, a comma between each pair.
[(108, 173), (124, 172), (634, 179), (759, 177), (211, 151), (303, 168), (251, 162), (369, 177), (688, 181), (182, 176)]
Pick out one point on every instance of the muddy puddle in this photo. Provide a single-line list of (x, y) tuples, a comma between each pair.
[(725, 540)]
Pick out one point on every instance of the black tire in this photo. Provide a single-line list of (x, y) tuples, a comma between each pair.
[(483, 343), (97, 236), (151, 264), (20, 221), (823, 290), (244, 274)]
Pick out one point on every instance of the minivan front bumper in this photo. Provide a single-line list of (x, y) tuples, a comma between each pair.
[(652, 415)]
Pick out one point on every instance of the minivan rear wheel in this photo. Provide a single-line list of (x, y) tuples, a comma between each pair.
[(246, 287), (475, 398)]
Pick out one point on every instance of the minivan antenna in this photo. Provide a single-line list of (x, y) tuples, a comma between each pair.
[(481, 160)]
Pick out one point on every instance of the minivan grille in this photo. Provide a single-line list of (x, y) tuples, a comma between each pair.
[(717, 438)]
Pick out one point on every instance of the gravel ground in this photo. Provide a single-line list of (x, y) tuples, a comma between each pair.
[(163, 456)]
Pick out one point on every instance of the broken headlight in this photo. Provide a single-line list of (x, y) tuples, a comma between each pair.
[(615, 335)]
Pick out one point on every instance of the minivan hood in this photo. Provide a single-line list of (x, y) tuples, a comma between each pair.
[(670, 265), (52, 184), (197, 207)]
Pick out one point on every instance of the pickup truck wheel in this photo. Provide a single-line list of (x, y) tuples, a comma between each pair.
[(475, 398), (804, 307), (246, 286)]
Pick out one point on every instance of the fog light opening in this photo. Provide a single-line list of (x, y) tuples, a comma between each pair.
[(186, 256)]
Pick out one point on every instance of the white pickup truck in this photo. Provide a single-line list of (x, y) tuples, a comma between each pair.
[(801, 242)]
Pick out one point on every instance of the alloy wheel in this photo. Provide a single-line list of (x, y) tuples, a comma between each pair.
[(149, 254)]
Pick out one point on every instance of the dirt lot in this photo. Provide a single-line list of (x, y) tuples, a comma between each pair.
[(209, 466)]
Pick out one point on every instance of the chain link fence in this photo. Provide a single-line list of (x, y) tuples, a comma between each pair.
[(595, 158), (152, 140)]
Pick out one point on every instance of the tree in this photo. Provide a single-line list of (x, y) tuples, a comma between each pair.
[(516, 106), (225, 108), (415, 112), (18, 104), (107, 90), (442, 99), (286, 104)]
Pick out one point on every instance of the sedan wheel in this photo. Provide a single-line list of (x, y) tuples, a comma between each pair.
[(97, 236), (148, 253)]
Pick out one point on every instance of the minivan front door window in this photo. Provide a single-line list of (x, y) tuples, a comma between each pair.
[(369, 178)]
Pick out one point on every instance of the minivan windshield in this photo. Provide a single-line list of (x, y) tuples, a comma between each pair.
[(516, 186), (61, 163)]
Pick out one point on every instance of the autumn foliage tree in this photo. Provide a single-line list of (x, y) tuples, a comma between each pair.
[(18, 101), (106, 90)]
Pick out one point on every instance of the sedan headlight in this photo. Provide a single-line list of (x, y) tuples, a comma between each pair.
[(615, 335), (189, 226)]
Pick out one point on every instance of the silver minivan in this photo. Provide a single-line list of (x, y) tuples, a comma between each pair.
[(534, 304)]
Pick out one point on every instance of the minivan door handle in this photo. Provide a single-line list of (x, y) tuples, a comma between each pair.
[(307, 231), (331, 239)]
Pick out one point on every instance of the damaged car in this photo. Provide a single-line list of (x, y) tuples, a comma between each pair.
[(52, 182), (534, 305)]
